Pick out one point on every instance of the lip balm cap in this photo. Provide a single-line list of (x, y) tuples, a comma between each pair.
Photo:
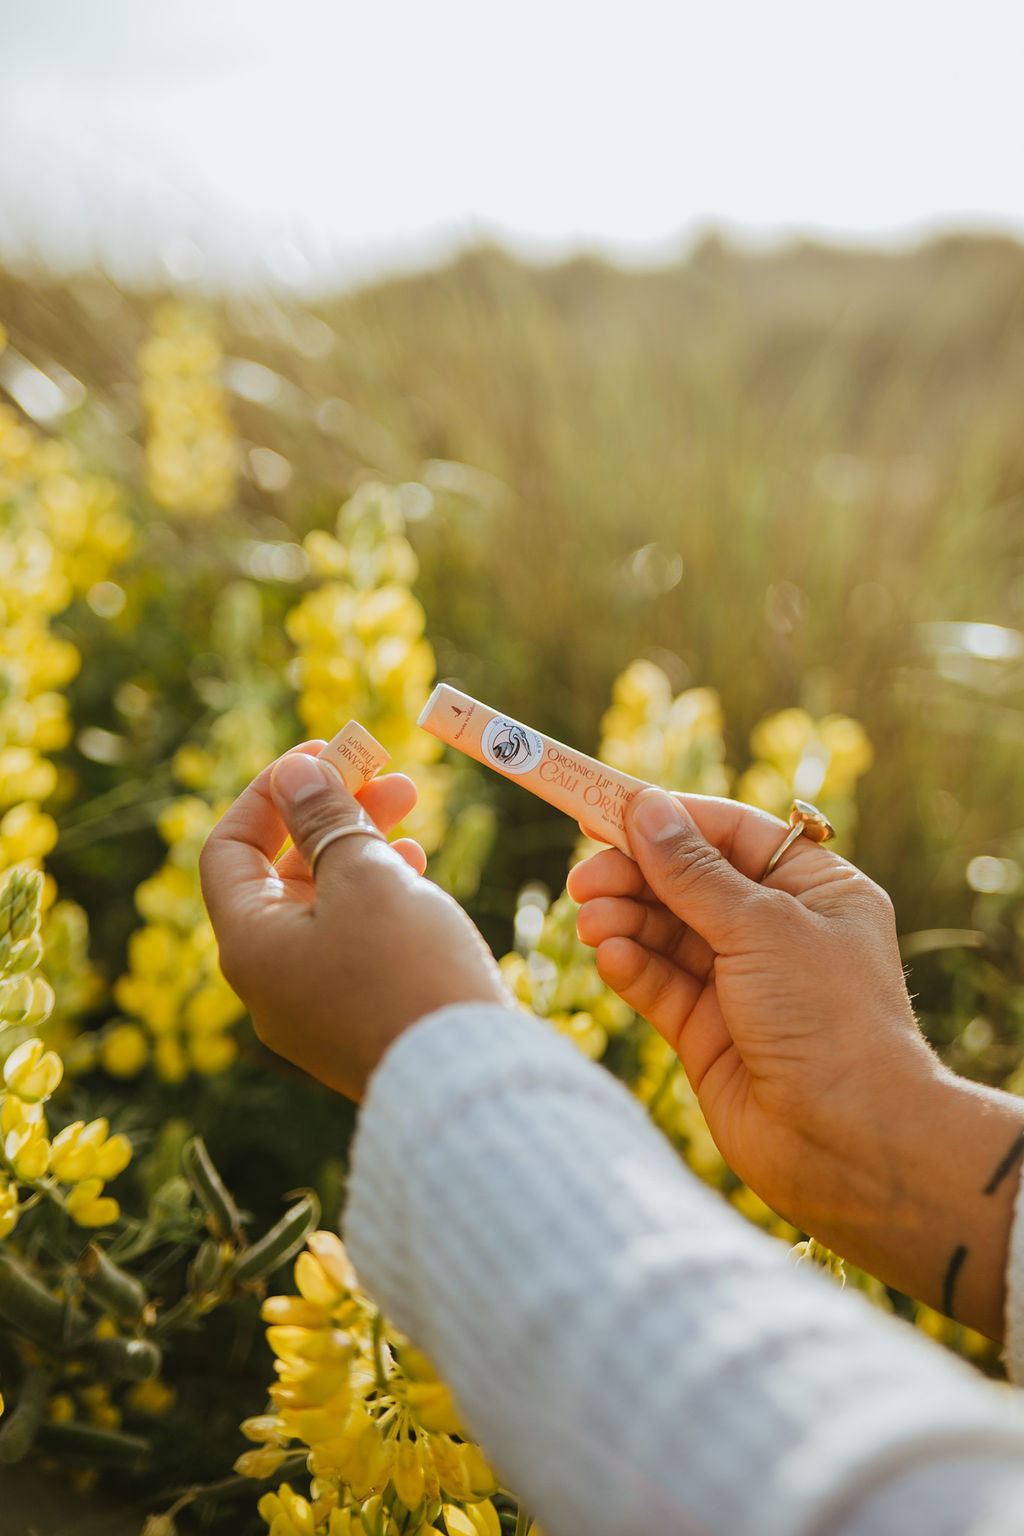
[(429, 705)]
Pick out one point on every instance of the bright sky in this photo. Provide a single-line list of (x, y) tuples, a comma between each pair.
[(328, 136)]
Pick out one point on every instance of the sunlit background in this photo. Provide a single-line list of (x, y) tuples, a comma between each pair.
[(653, 373), (326, 139)]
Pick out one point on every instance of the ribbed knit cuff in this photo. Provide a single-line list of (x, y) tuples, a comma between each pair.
[(631, 1352)]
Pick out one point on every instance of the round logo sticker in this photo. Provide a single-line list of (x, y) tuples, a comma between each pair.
[(512, 747)]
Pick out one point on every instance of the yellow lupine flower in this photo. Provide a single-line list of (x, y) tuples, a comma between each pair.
[(27, 834), (124, 1050), (80, 1151), (88, 1207), (262, 1462), (408, 1474), (153, 1397), (211, 1053), (28, 1151), (61, 1408), (295, 1311), (8, 1208), (32, 1072), (263, 1429), (169, 1059)]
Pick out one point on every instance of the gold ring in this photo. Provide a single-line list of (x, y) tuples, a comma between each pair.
[(804, 821), (354, 829)]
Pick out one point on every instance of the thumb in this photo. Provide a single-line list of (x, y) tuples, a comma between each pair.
[(318, 810), (686, 872)]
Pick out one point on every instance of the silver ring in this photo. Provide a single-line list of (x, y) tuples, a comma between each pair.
[(355, 829), (804, 821)]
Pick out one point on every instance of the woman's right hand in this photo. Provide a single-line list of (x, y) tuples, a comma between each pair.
[(786, 1003)]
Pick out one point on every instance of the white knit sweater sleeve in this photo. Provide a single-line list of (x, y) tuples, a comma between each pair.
[(633, 1355), (1013, 1355)]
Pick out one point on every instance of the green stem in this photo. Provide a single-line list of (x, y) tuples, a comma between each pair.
[(666, 1077), (379, 1368)]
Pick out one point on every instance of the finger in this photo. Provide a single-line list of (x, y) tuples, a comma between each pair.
[(652, 986), (389, 799), (237, 859), (321, 816), (608, 873), (411, 851), (681, 1008), (606, 917), (748, 837), (690, 874)]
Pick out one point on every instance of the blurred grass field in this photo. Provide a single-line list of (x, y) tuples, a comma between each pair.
[(771, 473)]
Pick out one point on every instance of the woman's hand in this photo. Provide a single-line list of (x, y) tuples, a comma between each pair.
[(787, 1006), (332, 970), (785, 1002)]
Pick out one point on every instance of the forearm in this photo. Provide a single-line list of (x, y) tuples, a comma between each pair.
[(926, 1201), (621, 1341)]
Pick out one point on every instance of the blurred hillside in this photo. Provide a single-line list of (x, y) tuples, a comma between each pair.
[(788, 476)]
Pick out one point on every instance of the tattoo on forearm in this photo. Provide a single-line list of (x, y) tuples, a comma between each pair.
[(949, 1284), (1012, 1157), (956, 1262)]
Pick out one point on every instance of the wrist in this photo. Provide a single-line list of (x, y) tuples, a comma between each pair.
[(927, 1207)]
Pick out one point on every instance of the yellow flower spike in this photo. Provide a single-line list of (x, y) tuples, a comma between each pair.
[(408, 1476), (340, 1523), (124, 1050), (33, 1073), (259, 1463), (294, 1311), (86, 1206)]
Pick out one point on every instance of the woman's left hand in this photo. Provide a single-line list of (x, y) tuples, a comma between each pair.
[(334, 967)]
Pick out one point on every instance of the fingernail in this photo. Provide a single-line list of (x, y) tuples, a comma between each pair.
[(657, 815), (298, 776)]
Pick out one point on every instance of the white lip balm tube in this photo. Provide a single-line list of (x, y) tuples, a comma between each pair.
[(588, 791), (356, 756)]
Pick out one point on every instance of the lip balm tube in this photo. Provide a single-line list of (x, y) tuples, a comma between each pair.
[(588, 791), (356, 756)]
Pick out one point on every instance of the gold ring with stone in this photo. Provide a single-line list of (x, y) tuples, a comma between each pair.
[(354, 829), (804, 821)]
